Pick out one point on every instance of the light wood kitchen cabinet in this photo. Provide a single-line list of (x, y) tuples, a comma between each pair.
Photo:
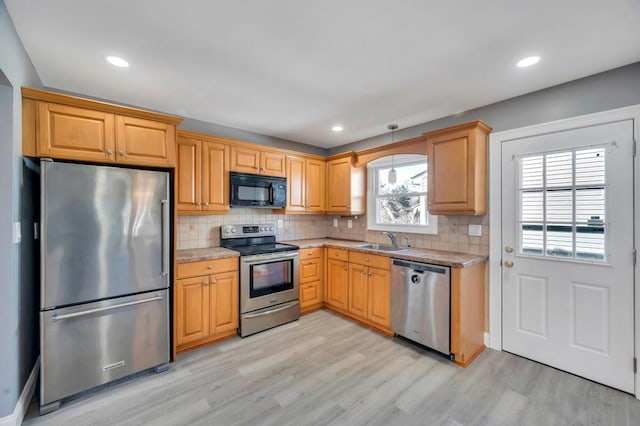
[(192, 300), (358, 290), (71, 128), (202, 174), (247, 159), (379, 297), (206, 302), (305, 185), (467, 312), (457, 172), (346, 186), (337, 284), (311, 274)]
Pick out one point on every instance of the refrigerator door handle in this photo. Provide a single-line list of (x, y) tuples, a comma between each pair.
[(106, 308), (165, 237)]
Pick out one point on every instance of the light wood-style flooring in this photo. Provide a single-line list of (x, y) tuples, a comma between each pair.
[(324, 369)]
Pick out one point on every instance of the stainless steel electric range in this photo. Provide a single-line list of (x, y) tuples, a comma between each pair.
[(269, 276)]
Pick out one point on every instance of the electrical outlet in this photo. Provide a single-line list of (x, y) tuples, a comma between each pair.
[(193, 227), (349, 224), (335, 222), (475, 230), (280, 223)]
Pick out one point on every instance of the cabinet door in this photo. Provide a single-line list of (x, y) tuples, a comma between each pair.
[(310, 294), (224, 302), (215, 177), (295, 183), (314, 185), (310, 270), (379, 297), (339, 185), (337, 284), (273, 164), (75, 133), (192, 309), (145, 142), (188, 174), (244, 160), (358, 291)]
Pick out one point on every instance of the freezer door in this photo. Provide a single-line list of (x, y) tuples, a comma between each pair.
[(104, 232), (91, 344)]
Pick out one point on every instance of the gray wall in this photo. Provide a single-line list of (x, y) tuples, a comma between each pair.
[(18, 349), (616, 88)]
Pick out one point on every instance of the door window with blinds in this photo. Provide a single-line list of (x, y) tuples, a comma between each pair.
[(562, 204)]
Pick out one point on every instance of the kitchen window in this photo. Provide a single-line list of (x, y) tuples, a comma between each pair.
[(399, 207)]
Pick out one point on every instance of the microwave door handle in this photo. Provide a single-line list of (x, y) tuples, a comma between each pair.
[(272, 194)]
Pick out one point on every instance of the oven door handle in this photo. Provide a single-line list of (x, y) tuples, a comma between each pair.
[(260, 258), (271, 311)]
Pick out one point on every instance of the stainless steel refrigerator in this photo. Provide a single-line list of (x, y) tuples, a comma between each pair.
[(104, 276)]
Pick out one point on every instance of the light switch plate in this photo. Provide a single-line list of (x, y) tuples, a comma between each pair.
[(17, 233), (475, 230), (335, 222), (280, 223), (193, 227), (349, 223)]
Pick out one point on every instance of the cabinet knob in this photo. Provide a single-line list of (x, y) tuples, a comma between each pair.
[(369, 274), (206, 204), (122, 153), (109, 152), (210, 267), (367, 259), (214, 281), (309, 254), (345, 268), (198, 204), (508, 263), (364, 273)]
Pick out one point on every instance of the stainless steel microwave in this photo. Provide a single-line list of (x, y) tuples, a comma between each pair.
[(248, 190)]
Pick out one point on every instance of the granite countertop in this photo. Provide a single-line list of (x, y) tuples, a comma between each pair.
[(209, 253), (438, 257)]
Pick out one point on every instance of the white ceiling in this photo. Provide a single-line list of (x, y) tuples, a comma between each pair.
[(292, 68)]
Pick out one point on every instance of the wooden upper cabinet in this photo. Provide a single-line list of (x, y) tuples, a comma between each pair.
[(246, 159), (215, 177), (202, 174), (145, 142), (346, 186), (67, 127), (305, 185), (314, 185), (188, 174), (458, 169), (74, 133)]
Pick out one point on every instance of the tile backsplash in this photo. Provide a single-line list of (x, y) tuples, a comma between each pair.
[(453, 231)]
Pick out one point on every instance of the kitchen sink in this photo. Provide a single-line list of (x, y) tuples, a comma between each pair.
[(380, 247)]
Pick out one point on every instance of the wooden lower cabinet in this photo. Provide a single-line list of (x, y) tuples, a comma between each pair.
[(379, 297), (337, 284), (311, 273), (206, 306), (358, 290)]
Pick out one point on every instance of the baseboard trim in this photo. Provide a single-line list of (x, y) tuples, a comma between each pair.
[(22, 405), (487, 340)]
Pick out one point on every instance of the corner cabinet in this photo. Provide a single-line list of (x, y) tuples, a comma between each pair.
[(305, 185), (206, 302), (202, 174), (458, 169), (71, 128), (346, 186)]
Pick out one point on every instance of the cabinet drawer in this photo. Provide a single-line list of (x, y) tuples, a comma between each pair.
[(310, 294), (338, 254), (366, 259), (310, 270), (310, 253), (207, 267)]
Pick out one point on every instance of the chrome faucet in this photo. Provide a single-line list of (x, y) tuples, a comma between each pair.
[(392, 237)]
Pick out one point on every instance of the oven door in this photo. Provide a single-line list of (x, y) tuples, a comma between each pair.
[(268, 279)]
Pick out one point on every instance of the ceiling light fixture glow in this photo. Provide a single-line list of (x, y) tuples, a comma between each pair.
[(337, 128), (528, 61), (118, 62)]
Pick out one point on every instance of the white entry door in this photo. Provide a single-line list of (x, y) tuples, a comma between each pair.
[(567, 251)]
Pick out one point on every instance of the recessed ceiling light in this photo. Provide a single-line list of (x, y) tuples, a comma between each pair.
[(118, 62), (337, 128), (527, 62)]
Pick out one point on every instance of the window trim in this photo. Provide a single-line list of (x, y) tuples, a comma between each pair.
[(372, 197)]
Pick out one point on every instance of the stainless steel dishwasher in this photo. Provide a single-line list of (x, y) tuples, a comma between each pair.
[(420, 303)]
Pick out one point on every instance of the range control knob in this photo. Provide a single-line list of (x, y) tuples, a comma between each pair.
[(271, 228), (262, 228), (229, 230)]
